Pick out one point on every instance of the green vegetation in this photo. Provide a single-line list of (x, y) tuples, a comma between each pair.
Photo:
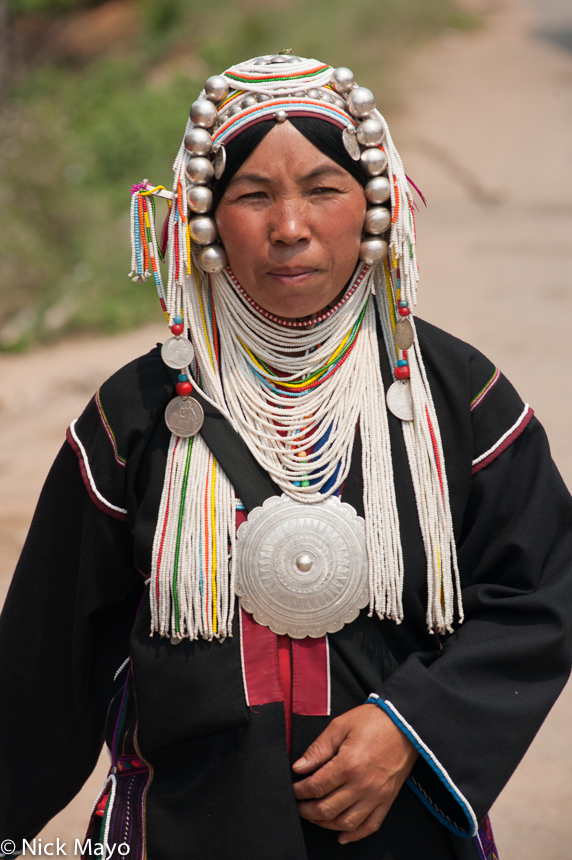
[(78, 129)]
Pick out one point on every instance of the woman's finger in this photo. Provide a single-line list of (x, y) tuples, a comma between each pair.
[(324, 747), (372, 823), (341, 810)]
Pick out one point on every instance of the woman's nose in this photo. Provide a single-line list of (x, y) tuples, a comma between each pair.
[(289, 223)]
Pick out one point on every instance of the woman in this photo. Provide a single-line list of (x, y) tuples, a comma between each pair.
[(402, 570)]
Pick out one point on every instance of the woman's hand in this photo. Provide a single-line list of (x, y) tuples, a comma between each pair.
[(358, 764)]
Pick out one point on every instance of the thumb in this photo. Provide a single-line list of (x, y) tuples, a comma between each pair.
[(322, 749)]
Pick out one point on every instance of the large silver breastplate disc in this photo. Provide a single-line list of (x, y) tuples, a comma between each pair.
[(302, 569)]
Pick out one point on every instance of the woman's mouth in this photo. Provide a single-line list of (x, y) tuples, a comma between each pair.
[(292, 276)]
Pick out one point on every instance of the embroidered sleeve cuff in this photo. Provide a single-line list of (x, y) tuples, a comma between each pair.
[(430, 781)]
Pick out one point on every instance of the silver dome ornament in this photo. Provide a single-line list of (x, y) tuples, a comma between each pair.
[(248, 101), (373, 161), (199, 170), (302, 569), (200, 199), (378, 190), (339, 102), (263, 97), (198, 142), (377, 220), (370, 132), (216, 88), (203, 113), (373, 251), (361, 102), (212, 258), (313, 93), (280, 116), (343, 79), (278, 58), (299, 94), (326, 97), (260, 61), (234, 110), (350, 142), (203, 230), (219, 162)]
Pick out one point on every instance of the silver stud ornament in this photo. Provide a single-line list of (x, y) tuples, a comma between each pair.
[(216, 88), (203, 230), (212, 258), (343, 79), (373, 161), (200, 199), (203, 113), (199, 170), (361, 102), (198, 142), (373, 251), (377, 190), (370, 132), (377, 220)]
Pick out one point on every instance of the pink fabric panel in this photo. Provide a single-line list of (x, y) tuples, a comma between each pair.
[(311, 677)]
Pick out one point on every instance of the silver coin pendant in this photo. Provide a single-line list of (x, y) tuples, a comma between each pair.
[(184, 416), (404, 337), (399, 400), (177, 352), (351, 144)]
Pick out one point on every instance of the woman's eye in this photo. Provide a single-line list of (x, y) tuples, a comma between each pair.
[(323, 189), (253, 195)]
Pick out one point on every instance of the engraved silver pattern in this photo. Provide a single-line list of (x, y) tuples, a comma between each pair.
[(177, 352), (184, 416), (302, 569)]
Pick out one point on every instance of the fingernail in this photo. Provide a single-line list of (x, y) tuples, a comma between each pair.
[(343, 840), (300, 763)]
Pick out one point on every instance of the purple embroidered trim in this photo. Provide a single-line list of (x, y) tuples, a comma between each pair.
[(485, 841)]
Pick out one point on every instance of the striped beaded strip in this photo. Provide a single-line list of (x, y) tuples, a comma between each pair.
[(296, 323), (235, 124), (252, 77)]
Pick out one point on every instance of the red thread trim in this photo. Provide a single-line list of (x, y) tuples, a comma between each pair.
[(97, 502), (508, 441), (434, 441)]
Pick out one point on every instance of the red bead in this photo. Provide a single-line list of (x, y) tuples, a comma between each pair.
[(177, 328), (401, 372), (184, 389), (404, 312)]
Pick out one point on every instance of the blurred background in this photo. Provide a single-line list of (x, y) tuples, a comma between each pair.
[(94, 97)]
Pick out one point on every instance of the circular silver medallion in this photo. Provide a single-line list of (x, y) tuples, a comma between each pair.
[(177, 352), (404, 334), (302, 569), (184, 416), (399, 400)]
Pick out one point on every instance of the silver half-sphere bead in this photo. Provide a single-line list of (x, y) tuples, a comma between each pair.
[(234, 110), (361, 101), (198, 142), (313, 93), (339, 102), (373, 161), (377, 190), (248, 101), (370, 132), (343, 79), (212, 258), (377, 220), (199, 170), (373, 251), (260, 61), (200, 199), (280, 116), (203, 230), (299, 94), (263, 97), (327, 97), (203, 113), (292, 58), (278, 58), (216, 88)]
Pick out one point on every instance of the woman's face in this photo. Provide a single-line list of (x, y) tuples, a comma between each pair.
[(291, 221)]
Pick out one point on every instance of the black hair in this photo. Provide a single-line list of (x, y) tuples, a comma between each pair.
[(325, 136)]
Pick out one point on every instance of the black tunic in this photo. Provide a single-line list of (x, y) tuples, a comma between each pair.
[(199, 773)]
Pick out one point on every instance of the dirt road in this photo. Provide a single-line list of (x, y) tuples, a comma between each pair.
[(486, 132)]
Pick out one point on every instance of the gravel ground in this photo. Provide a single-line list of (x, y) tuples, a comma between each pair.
[(486, 132)]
